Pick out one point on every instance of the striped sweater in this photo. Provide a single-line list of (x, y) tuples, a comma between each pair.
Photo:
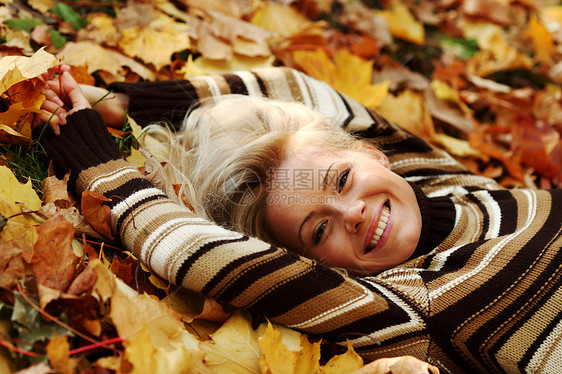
[(481, 294)]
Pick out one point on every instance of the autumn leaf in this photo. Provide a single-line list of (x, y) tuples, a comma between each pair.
[(58, 352), (347, 73), (97, 213), (155, 43), (19, 230), (54, 262), (11, 265), (402, 24)]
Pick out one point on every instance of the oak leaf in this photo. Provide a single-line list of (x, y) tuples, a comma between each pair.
[(11, 265), (97, 213)]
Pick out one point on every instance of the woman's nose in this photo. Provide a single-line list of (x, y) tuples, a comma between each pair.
[(354, 216)]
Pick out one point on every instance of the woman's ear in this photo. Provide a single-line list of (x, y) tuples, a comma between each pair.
[(377, 154)]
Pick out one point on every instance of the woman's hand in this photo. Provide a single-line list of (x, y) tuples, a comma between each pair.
[(111, 105), (63, 97)]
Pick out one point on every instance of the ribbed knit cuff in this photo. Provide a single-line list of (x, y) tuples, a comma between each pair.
[(151, 102), (83, 143)]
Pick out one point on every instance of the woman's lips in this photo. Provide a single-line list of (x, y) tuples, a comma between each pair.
[(378, 228)]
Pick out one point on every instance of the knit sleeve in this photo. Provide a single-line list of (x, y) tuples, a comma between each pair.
[(192, 252), (152, 102)]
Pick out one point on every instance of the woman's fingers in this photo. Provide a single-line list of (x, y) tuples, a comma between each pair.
[(74, 93)]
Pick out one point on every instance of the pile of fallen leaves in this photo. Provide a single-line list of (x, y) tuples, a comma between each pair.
[(479, 78)]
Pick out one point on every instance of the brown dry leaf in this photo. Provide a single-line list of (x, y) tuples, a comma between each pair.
[(55, 191), (58, 352), (11, 265), (402, 23), (84, 282), (97, 58), (54, 262), (496, 11), (97, 213)]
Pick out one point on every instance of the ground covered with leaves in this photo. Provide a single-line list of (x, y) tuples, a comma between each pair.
[(479, 78)]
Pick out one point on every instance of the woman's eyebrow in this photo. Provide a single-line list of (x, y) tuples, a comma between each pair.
[(325, 181), (309, 216)]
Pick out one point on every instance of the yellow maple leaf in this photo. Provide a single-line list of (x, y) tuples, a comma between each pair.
[(402, 24), (281, 19), (14, 69), (543, 42), (347, 73), (156, 43), (20, 228), (277, 358), (58, 351), (234, 347), (148, 358)]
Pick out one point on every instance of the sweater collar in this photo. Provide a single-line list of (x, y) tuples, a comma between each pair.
[(438, 220)]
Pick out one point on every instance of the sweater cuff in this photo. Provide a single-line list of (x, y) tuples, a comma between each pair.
[(83, 143), (151, 102)]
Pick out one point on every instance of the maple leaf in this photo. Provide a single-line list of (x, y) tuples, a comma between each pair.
[(346, 73), (20, 229), (157, 42)]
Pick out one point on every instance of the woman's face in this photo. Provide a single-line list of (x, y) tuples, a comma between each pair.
[(344, 208)]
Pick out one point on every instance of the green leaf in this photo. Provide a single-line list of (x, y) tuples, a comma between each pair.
[(68, 14), (57, 38), (26, 24), (460, 47)]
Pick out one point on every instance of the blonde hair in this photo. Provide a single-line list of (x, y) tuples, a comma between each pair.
[(228, 147)]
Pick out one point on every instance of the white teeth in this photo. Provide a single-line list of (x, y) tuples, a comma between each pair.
[(380, 228)]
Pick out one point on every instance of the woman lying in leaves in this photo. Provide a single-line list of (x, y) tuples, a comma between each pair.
[(393, 244)]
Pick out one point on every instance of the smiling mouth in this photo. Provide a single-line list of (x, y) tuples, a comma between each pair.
[(381, 226)]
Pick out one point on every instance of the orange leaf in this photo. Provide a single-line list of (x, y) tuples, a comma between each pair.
[(54, 261), (58, 352), (97, 213)]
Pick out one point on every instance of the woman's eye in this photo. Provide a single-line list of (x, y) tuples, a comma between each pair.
[(319, 232), (342, 179)]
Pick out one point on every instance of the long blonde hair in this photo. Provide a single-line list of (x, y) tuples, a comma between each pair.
[(228, 147)]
